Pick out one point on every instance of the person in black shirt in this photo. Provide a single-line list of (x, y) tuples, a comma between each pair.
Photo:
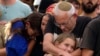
[(64, 19)]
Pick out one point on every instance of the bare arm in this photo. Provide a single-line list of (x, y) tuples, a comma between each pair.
[(30, 46), (77, 52), (3, 52), (87, 52), (50, 48)]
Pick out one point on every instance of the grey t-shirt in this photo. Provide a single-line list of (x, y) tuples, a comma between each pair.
[(91, 37)]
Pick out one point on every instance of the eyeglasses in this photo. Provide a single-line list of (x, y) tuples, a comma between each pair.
[(64, 23)]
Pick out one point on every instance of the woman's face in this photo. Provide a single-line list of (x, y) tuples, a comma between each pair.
[(67, 45), (44, 22)]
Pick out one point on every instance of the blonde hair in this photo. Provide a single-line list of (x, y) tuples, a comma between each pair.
[(7, 31)]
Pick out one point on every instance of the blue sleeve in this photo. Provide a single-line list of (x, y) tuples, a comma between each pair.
[(16, 46)]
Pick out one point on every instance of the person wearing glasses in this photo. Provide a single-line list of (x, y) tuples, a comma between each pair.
[(64, 19)]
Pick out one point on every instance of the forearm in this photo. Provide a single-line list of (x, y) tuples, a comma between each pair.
[(49, 47), (30, 47), (87, 52), (77, 52)]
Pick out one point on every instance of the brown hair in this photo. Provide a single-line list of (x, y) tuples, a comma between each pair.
[(35, 22)]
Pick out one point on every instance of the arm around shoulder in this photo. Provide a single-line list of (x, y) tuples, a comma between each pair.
[(50, 48)]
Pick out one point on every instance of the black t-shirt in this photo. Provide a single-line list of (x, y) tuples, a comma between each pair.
[(91, 37), (81, 23), (51, 27)]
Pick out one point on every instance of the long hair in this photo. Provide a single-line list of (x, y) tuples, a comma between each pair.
[(35, 22)]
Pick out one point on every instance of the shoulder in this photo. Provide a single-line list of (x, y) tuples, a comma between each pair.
[(17, 41), (23, 5), (83, 21), (83, 18), (94, 22)]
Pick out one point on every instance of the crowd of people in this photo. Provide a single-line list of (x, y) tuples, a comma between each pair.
[(49, 28)]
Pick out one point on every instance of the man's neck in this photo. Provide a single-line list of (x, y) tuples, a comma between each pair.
[(91, 15)]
